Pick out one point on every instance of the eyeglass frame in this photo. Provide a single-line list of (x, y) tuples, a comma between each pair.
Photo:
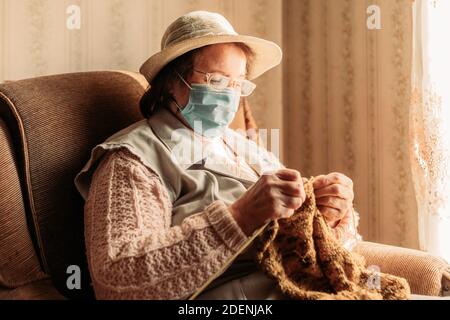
[(208, 76)]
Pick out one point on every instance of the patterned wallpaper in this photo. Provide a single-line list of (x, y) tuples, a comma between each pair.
[(346, 102), (340, 97), (122, 34)]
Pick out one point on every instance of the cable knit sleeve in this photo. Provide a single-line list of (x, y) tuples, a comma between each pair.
[(133, 251)]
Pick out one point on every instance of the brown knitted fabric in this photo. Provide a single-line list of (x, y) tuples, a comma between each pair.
[(308, 263)]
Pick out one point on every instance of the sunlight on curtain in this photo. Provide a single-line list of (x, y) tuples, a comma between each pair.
[(430, 124)]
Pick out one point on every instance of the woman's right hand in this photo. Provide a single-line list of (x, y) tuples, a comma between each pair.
[(273, 196)]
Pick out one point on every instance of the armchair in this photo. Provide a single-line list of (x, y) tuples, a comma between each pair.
[(48, 126)]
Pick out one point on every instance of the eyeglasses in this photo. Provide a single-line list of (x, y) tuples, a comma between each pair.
[(217, 81)]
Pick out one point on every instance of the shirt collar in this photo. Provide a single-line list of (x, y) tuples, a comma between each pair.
[(189, 148)]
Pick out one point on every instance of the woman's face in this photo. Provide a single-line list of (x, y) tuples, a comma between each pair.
[(227, 59)]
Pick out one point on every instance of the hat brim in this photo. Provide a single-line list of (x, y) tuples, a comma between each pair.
[(267, 54)]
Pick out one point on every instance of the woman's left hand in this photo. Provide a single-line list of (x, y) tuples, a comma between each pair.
[(334, 196)]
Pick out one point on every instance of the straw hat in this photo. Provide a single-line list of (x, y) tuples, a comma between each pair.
[(201, 28)]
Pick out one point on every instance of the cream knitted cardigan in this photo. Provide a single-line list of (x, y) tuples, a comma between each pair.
[(134, 252)]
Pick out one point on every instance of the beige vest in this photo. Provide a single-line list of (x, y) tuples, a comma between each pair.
[(193, 179)]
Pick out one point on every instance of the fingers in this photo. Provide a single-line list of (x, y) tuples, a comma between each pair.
[(331, 215), (285, 188), (335, 190), (288, 174), (291, 188), (290, 183), (334, 202), (291, 202), (332, 178)]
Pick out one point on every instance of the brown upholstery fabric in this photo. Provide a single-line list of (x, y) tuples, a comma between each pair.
[(239, 120), (55, 121), (19, 263), (446, 283), (48, 125), (243, 120), (38, 290), (425, 273)]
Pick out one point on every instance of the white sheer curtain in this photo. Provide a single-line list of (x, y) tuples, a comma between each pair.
[(430, 124)]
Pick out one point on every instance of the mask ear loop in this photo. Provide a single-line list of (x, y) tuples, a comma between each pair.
[(176, 103), (179, 75), (173, 98)]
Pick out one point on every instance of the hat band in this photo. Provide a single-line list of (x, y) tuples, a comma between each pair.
[(201, 33)]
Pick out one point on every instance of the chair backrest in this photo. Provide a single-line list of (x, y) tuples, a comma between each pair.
[(52, 123), (48, 126)]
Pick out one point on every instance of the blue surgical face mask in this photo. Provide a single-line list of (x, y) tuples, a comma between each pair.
[(210, 112)]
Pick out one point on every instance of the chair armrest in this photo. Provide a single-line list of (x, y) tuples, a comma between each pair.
[(425, 273), (37, 290)]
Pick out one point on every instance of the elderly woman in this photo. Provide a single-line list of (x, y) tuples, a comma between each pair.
[(164, 223)]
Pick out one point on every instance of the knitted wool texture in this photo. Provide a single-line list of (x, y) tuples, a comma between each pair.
[(302, 255)]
